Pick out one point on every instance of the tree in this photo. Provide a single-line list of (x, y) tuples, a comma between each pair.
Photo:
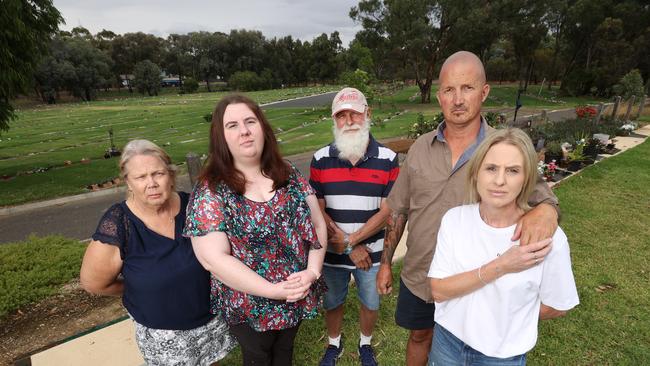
[(74, 64), (525, 28), (146, 77), (324, 61), (209, 55), (245, 51), (26, 28), (359, 57), (418, 31), (279, 58), (177, 56), (131, 48)]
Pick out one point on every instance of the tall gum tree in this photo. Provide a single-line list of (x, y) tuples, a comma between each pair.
[(26, 28), (418, 31)]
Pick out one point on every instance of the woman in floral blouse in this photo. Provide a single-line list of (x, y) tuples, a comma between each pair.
[(256, 226)]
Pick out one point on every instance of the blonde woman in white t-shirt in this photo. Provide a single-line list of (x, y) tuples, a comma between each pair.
[(491, 292)]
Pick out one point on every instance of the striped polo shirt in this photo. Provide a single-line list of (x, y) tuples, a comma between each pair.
[(353, 194)]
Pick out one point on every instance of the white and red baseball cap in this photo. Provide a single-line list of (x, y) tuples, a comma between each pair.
[(349, 99)]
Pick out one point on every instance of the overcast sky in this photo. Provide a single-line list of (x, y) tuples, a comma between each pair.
[(274, 18)]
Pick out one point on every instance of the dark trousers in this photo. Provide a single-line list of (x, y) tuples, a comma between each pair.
[(270, 348)]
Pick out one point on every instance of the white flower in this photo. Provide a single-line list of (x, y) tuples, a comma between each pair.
[(628, 127)]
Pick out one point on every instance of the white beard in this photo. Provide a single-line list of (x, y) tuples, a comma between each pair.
[(352, 146)]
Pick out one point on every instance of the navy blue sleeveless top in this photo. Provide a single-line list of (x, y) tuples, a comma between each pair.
[(165, 286)]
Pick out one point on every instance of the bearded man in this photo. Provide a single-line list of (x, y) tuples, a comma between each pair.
[(352, 178)]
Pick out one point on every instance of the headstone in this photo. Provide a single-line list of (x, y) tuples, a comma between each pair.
[(617, 102), (193, 166), (629, 108), (601, 108), (641, 105)]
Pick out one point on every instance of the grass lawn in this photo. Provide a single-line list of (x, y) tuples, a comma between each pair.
[(36, 268), (40, 156), (605, 213)]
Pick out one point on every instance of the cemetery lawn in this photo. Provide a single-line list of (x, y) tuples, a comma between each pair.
[(41, 155), (605, 214)]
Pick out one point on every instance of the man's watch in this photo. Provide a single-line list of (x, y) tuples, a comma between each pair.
[(346, 241)]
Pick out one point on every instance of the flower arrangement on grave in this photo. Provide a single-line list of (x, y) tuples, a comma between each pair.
[(586, 112), (627, 128), (547, 170)]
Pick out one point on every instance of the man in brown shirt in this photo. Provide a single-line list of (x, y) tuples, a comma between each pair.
[(432, 180)]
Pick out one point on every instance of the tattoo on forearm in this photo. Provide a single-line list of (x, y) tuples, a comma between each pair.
[(394, 230)]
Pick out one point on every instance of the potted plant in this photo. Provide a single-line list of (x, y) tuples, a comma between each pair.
[(576, 158), (592, 148), (553, 151)]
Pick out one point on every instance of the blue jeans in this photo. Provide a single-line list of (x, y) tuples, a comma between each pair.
[(447, 350), (337, 280)]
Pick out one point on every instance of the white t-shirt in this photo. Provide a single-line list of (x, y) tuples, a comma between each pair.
[(499, 319)]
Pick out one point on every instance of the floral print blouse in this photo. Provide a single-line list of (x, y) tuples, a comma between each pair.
[(272, 238)]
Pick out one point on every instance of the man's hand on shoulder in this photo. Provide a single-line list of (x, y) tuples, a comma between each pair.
[(537, 224)]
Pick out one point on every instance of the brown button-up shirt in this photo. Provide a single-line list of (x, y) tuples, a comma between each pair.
[(426, 188)]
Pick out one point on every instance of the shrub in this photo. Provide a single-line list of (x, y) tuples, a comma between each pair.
[(190, 85), (571, 130), (554, 148), (246, 81), (360, 80), (493, 119), (629, 85), (422, 126), (36, 268)]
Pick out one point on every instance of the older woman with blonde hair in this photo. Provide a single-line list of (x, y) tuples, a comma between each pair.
[(164, 288), (490, 292)]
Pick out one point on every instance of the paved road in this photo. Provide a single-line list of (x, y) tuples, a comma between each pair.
[(307, 102), (78, 218)]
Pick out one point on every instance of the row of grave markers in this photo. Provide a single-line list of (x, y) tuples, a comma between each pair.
[(617, 102)]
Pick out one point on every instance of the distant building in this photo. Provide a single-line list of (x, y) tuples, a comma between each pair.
[(126, 79)]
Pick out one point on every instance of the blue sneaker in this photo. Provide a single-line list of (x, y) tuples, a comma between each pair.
[(367, 355), (332, 354)]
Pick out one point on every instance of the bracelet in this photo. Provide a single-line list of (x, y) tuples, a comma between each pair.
[(479, 276), (314, 272)]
